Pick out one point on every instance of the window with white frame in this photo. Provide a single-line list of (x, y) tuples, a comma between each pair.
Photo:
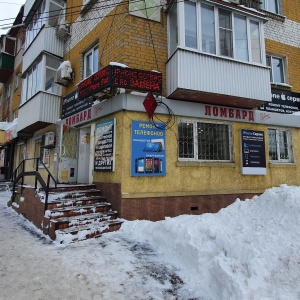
[(276, 65), (7, 91), (90, 62), (280, 145), (17, 80), (48, 13), (215, 30), (41, 76), (204, 141), (273, 6)]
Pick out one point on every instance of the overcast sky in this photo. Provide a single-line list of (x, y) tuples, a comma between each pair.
[(8, 12)]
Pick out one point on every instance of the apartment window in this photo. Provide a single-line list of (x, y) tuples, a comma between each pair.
[(7, 91), (17, 80), (225, 33), (32, 81), (273, 6), (36, 24), (204, 141), (41, 77), (52, 64), (276, 65), (280, 145), (190, 24), (173, 32), (221, 31), (56, 7), (48, 13), (91, 62), (14, 114)]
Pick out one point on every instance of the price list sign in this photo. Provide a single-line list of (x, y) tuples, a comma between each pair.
[(253, 152), (105, 146)]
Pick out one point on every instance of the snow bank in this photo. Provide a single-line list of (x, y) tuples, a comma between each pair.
[(249, 250)]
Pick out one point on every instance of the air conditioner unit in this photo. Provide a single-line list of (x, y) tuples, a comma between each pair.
[(64, 73), (62, 29), (48, 140), (235, 1)]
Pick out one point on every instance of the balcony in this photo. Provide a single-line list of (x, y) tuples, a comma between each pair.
[(38, 112), (198, 77), (45, 41), (6, 66)]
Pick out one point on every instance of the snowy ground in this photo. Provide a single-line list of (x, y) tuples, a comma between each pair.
[(248, 251)]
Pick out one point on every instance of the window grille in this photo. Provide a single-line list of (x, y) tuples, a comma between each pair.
[(280, 145), (201, 141)]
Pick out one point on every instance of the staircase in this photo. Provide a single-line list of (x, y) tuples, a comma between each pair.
[(78, 212)]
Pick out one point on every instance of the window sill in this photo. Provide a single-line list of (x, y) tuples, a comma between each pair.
[(283, 86), (215, 164), (274, 16), (282, 164)]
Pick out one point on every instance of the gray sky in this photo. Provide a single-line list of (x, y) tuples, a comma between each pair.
[(8, 12)]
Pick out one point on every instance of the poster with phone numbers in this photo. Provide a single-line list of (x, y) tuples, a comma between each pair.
[(148, 155)]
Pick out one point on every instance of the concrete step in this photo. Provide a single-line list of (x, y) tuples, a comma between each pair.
[(83, 232), (67, 222), (73, 202), (77, 210)]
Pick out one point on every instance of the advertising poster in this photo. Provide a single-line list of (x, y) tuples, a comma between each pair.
[(105, 146), (253, 152), (148, 155), (283, 102)]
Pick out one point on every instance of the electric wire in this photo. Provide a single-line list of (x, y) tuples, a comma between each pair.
[(95, 8)]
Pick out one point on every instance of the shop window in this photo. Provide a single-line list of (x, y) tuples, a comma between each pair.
[(90, 62), (276, 65), (280, 145), (273, 6), (204, 141)]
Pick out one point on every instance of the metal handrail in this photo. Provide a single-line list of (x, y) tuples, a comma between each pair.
[(20, 173)]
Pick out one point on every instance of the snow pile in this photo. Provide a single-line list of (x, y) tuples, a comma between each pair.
[(249, 250)]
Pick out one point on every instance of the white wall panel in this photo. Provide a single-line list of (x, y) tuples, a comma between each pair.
[(217, 75)]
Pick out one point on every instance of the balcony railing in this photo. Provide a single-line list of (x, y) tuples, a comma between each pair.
[(43, 109), (199, 77), (45, 41)]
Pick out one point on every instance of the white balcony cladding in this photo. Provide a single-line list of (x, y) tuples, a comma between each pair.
[(195, 76), (30, 8), (38, 112), (45, 41)]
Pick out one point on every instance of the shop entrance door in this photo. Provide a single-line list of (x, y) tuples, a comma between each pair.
[(68, 155), (84, 155)]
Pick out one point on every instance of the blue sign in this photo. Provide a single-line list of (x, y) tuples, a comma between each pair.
[(148, 155)]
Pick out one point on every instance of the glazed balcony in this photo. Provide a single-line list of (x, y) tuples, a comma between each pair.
[(7, 62), (198, 77), (46, 41), (43, 109)]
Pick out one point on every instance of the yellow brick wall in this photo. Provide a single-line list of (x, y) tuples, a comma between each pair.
[(200, 178), (125, 39), (292, 55), (30, 149), (291, 9)]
